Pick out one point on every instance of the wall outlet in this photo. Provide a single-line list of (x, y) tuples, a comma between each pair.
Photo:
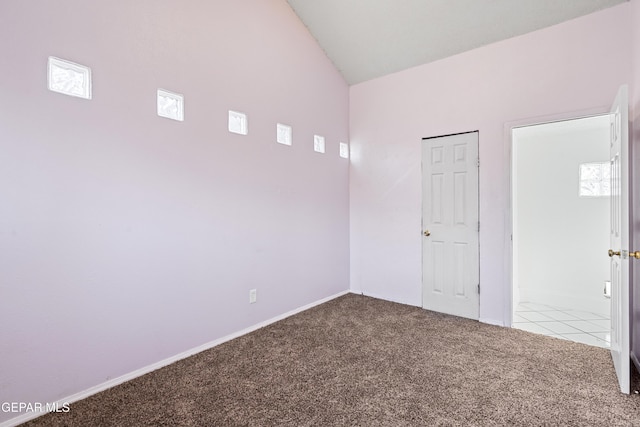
[(253, 296)]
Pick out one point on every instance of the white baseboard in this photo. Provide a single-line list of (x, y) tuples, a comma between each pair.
[(23, 418), (372, 295), (368, 294), (491, 322)]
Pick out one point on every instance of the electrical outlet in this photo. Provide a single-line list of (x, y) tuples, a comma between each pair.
[(253, 296)]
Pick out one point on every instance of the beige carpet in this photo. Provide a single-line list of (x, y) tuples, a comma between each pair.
[(358, 361)]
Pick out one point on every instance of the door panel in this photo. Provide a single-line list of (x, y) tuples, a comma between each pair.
[(450, 214), (437, 182), (460, 196), (460, 266), (619, 239)]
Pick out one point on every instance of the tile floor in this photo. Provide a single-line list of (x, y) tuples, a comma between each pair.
[(573, 325)]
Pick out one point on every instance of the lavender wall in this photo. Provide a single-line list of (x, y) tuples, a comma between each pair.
[(126, 238), (558, 71)]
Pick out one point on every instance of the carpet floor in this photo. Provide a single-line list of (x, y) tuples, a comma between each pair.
[(359, 361)]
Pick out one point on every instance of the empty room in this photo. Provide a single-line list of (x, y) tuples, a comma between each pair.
[(299, 212)]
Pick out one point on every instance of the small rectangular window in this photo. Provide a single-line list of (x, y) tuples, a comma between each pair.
[(344, 150), (283, 134), (170, 105), (238, 123), (69, 78), (318, 143), (595, 179)]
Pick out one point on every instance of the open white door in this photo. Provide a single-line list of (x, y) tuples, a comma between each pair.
[(450, 248), (619, 238)]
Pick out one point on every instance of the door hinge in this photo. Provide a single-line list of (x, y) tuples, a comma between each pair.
[(478, 288), (478, 225), (478, 162)]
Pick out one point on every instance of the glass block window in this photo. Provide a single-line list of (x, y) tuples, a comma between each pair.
[(69, 78), (318, 143), (170, 105), (595, 179), (238, 123), (283, 134), (344, 150)]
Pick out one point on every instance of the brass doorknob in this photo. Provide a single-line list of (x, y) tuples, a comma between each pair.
[(635, 254), (427, 233)]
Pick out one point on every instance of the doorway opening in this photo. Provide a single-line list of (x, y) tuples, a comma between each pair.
[(560, 204)]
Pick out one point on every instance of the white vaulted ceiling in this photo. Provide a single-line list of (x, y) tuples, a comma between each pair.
[(366, 39)]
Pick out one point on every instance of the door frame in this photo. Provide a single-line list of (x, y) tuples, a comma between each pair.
[(508, 161)]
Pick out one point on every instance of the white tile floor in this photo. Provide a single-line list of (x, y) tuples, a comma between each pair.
[(573, 325)]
